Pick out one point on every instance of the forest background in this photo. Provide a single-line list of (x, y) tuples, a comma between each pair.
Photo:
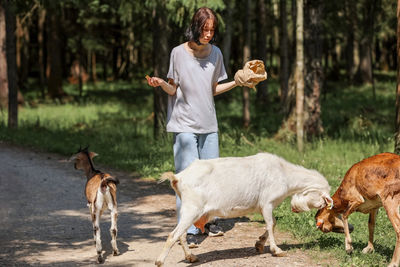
[(75, 72)]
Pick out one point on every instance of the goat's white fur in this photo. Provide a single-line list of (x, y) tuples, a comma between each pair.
[(236, 186)]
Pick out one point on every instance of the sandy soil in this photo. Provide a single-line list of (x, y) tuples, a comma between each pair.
[(45, 221)]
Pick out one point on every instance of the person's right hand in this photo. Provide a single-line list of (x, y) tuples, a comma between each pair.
[(154, 81)]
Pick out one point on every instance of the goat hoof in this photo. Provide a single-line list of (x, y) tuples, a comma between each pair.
[(159, 263), (100, 259), (116, 252), (349, 250), (191, 258), (259, 247), (279, 253), (367, 250)]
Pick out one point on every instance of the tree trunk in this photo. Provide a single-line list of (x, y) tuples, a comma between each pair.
[(299, 77), (365, 69), (314, 70), (246, 57), (365, 74), (293, 45), (262, 89), (54, 44), (288, 128), (397, 134), (94, 67), (335, 56), (160, 57), (3, 58), (115, 58), (283, 52), (22, 50), (11, 64), (275, 35), (105, 65), (352, 59), (227, 45), (80, 68), (41, 50)]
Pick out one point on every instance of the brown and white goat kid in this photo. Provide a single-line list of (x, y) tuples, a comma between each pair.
[(101, 193), (368, 185), (236, 186)]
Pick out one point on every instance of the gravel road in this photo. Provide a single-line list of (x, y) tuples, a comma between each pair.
[(45, 221)]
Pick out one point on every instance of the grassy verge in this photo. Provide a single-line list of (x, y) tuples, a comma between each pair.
[(116, 121)]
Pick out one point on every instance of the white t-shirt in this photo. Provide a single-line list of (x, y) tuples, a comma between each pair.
[(192, 108)]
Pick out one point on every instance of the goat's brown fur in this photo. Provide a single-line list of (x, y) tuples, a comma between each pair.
[(368, 185), (100, 180)]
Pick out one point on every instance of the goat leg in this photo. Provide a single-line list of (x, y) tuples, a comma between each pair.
[(270, 223), (391, 206), (371, 227), (263, 238), (353, 206), (189, 216), (348, 241), (114, 230), (261, 242), (96, 228), (188, 256)]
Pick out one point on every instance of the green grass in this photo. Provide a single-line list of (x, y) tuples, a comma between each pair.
[(115, 120)]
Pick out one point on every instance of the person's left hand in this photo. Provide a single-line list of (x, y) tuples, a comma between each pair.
[(252, 73)]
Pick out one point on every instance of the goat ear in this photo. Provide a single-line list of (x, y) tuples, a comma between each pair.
[(328, 201), (92, 154), (73, 157)]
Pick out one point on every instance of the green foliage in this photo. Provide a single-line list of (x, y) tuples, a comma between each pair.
[(185, 8)]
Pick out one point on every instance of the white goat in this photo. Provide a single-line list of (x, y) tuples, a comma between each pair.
[(236, 186), (101, 193)]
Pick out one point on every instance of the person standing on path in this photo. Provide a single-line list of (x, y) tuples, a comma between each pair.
[(195, 70)]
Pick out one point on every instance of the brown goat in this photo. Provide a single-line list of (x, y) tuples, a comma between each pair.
[(368, 185), (101, 193)]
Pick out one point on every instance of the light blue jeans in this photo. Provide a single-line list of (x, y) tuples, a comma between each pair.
[(189, 147)]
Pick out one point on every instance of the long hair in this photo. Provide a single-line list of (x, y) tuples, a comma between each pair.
[(199, 18)]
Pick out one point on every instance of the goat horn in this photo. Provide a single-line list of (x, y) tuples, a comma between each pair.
[(330, 204), (328, 201)]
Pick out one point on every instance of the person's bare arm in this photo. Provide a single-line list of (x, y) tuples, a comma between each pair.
[(169, 87), (223, 87)]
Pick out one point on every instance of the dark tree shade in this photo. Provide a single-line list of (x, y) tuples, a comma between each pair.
[(160, 57)]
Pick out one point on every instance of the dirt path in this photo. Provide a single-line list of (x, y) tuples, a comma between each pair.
[(44, 221)]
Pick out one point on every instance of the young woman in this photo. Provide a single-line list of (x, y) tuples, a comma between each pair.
[(195, 70)]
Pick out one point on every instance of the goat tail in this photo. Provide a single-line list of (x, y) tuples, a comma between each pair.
[(107, 179), (114, 180), (171, 177), (167, 176)]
